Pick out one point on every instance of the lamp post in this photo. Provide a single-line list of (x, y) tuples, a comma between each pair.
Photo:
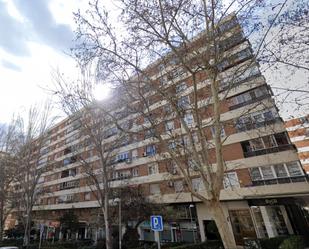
[(118, 200), (193, 233)]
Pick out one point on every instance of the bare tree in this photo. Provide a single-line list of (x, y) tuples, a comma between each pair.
[(8, 169), (100, 141), (189, 39), (285, 57), (32, 162)]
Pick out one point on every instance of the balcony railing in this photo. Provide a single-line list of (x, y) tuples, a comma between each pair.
[(270, 150)]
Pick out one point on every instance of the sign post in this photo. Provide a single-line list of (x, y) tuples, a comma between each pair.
[(41, 234), (156, 223)]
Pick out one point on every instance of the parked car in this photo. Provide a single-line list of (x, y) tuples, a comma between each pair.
[(9, 247)]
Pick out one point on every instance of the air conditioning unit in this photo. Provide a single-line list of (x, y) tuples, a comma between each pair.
[(170, 184), (129, 160), (145, 154)]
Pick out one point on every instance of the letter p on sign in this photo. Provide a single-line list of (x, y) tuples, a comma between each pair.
[(156, 223)]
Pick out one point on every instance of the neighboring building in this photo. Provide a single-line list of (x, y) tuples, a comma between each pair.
[(266, 190), (298, 129)]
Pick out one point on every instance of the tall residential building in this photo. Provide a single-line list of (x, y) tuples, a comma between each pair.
[(265, 189), (298, 129)]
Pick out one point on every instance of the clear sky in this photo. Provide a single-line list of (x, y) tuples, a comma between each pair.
[(35, 38)]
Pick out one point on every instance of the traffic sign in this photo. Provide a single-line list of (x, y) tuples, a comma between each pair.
[(156, 223)]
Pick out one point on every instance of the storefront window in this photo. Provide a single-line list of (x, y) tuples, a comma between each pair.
[(242, 225)]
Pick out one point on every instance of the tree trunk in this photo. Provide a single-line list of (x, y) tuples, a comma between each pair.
[(108, 239), (223, 226), (27, 230), (1, 220)]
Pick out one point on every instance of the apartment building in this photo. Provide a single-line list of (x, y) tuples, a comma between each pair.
[(266, 190), (298, 129)]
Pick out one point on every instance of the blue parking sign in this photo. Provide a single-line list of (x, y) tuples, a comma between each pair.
[(156, 223)]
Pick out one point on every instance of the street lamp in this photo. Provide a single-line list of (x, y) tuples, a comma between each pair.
[(193, 233), (118, 200)]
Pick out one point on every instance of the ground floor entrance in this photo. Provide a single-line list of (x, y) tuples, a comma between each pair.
[(258, 218)]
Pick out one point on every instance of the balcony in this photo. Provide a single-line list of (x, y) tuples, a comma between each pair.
[(303, 178), (270, 150), (255, 125), (68, 185), (70, 160), (251, 101)]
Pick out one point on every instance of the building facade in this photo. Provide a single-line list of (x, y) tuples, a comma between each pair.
[(298, 129), (266, 190)]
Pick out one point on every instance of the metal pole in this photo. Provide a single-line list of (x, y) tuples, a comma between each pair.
[(41, 235), (157, 237), (191, 206), (120, 227)]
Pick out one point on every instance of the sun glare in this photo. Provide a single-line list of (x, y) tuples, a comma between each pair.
[(101, 92)]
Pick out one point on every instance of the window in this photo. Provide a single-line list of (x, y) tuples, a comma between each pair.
[(269, 115), (222, 134), (67, 161), (150, 150), (125, 174), (123, 156), (161, 67), (178, 185), (67, 173), (134, 154), (294, 169), (183, 102), (256, 119), (149, 133), (228, 25), (280, 170), (260, 92), (279, 173), (245, 97), (248, 97), (243, 54), (304, 120), (172, 145), (167, 108), (231, 180), (135, 172), (177, 72), (146, 120), (111, 132), (44, 151), (256, 144), (192, 164), (163, 80), (188, 118), (153, 169), (87, 196), (197, 184), (269, 142), (181, 87), (70, 198), (255, 174), (169, 125), (154, 189), (267, 172), (281, 138)]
